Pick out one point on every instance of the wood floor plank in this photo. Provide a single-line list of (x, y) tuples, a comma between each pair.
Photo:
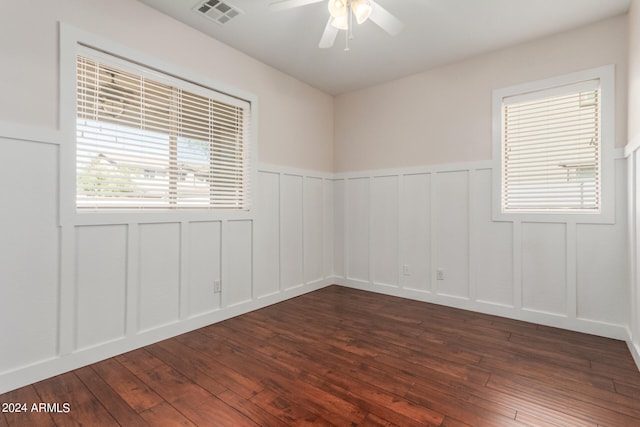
[(137, 395), (344, 357), (190, 367), (84, 408), (165, 415), (286, 410), (113, 401), (546, 417), (25, 397), (548, 397)]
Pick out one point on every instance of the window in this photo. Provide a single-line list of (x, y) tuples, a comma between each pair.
[(550, 153), (146, 140)]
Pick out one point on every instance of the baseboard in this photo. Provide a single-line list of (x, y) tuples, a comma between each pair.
[(587, 326), (634, 348), (48, 368)]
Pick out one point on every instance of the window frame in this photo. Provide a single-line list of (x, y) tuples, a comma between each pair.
[(606, 213), (72, 42)]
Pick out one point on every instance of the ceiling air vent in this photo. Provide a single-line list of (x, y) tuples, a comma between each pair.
[(217, 10)]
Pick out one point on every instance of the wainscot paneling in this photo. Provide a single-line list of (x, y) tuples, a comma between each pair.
[(358, 229), (291, 208), (101, 284), (339, 227), (267, 235), (29, 254), (237, 271), (415, 231), (159, 275), (492, 276), (544, 267), (435, 223), (313, 244), (79, 293), (328, 227), (76, 293), (632, 153), (452, 233), (384, 230), (204, 270)]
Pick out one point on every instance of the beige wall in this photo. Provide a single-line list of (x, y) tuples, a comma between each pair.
[(444, 115), (295, 120)]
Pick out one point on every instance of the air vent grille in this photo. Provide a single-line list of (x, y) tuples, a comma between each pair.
[(217, 10)]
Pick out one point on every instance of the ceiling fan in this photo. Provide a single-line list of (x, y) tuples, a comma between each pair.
[(342, 15)]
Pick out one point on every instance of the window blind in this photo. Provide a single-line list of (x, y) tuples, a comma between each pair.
[(551, 150), (144, 142)]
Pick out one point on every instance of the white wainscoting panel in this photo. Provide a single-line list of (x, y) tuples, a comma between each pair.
[(267, 235), (492, 252), (237, 271), (632, 152), (29, 253), (204, 266), (633, 172), (415, 231), (313, 232), (292, 229), (159, 275), (599, 262), (453, 233), (328, 227), (384, 230), (101, 284), (339, 228), (544, 267), (358, 229)]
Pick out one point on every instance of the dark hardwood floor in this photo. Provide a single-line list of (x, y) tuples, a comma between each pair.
[(344, 357)]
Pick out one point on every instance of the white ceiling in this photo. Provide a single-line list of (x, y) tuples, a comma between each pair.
[(436, 32)]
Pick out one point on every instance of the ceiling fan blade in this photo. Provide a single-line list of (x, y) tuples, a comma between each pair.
[(290, 4), (328, 36), (385, 20)]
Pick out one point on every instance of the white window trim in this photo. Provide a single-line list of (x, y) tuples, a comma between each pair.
[(71, 41), (606, 75)]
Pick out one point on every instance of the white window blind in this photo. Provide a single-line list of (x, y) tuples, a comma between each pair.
[(150, 141), (551, 150)]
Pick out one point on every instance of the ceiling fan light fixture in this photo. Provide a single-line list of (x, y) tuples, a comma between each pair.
[(338, 8), (341, 22), (361, 9)]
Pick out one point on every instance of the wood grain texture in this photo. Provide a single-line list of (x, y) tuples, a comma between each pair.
[(345, 357)]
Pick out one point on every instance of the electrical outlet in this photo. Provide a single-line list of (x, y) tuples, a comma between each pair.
[(217, 287), (440, 274), (405, 270)]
